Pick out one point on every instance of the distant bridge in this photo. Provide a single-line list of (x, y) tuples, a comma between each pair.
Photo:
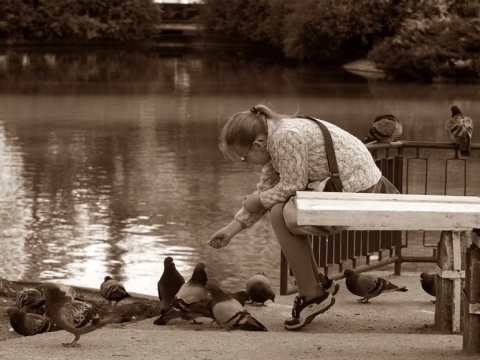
[(180, 23)]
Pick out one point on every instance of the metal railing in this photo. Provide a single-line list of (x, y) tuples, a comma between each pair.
[(414, 168)]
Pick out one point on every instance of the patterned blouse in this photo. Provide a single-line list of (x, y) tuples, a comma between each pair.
[(298, 159)]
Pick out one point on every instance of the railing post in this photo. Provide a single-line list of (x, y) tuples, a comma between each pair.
[(450, 262), (471, 301)]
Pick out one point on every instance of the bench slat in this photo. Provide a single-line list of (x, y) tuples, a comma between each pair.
[(366, 211), (388, 197)]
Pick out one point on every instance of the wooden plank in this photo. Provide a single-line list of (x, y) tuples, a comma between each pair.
[(388, 197), (388, 212)]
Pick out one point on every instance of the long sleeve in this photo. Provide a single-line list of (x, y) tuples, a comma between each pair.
[(268, 179), (289, 153)]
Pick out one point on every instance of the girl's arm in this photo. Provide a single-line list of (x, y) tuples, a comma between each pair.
[(268, 179)]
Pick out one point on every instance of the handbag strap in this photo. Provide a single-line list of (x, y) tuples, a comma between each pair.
[(331, 158)]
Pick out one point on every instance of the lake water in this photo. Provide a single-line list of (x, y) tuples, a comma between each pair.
[(109, 159)]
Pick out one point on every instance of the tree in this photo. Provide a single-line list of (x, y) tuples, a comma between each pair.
[(78, 20)]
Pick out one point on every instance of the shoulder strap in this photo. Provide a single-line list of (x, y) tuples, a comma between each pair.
[(332, 159)]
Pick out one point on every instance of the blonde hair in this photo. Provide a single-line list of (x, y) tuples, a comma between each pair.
[(243, 128)]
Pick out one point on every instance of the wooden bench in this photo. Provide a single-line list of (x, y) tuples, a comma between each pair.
[(454, 216)]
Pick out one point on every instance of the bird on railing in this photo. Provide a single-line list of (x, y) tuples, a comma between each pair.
[(368, 285), (385, 128), (460, 128)]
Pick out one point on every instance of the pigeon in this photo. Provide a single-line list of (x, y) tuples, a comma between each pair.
[(460, 128), (428, 282), (229, 313), (385, 128), (190, 301), (28, 324), (76, 317), (241, 296), (368, 285), (67, 289), (170, 282), (259, 289), (112, 290), (30, 301)]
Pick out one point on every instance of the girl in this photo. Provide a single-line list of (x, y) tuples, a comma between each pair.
[(292, 152)]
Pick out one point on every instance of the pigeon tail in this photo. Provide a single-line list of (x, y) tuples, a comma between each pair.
[(402, 289), (369, 140), (251, 324)]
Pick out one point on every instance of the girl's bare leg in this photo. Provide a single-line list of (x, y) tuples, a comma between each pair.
[(298, 251), (318, 275)]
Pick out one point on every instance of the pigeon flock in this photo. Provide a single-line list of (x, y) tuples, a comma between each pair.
[(54, 307)]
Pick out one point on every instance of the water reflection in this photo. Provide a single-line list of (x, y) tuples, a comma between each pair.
[(110, 162)]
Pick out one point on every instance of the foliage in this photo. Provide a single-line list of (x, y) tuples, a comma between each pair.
[(420, 39), (235, 20), (432, 50), (310, 30), (333, 30), (437, 41), (123, 20)]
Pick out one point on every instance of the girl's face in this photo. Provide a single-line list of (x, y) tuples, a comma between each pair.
[(256, 153)]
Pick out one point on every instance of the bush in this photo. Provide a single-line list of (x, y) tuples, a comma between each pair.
[(432, 50), (235, 20), (122, 20), (308, 30), (333, 30)]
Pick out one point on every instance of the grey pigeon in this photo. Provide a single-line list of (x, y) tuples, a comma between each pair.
[(230, 313), (428, 281), (31, 301), (76, 317), (113, 290), (28, 324), (170, 282), (67, 289), (241, 296), (368, 285), (460, 128), (385, 128), (259, 288), (189, 302)]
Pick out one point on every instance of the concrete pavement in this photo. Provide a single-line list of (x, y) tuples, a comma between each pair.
[(393, 325)]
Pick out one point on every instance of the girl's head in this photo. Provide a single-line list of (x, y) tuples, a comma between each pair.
[(246, 129)]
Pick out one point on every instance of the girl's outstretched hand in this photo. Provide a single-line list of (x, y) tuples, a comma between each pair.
[(219, 239), (222, 237)]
